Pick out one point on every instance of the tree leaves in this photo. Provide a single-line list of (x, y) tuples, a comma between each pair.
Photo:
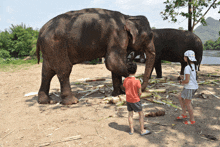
[(172, 10), (18, 41)]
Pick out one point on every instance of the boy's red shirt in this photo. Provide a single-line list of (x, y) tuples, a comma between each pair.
[(131, 89)]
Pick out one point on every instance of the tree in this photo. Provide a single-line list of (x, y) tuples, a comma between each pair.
[(194, 13), (18, 41)]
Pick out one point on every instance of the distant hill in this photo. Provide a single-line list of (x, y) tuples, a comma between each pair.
[(209, 32)]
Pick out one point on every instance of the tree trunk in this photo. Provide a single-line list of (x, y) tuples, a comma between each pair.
[(190, 16)]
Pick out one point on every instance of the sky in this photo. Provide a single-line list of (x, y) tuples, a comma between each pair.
[(35, 13)]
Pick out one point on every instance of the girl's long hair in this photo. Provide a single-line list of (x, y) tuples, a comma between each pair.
[(195, 63), (189, 62)]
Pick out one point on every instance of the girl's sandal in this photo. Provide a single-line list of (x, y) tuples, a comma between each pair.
[(189, 122), (181, 116)]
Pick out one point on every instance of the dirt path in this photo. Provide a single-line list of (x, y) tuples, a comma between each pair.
[(26, 123)]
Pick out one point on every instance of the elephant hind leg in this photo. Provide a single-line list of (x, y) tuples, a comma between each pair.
[(47, 75), (63, 75)]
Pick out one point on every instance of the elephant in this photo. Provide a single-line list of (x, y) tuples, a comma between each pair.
[(87, 34), (170, 45)]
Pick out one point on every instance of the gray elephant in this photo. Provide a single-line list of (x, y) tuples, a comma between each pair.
[(170, 45), (87, 34)]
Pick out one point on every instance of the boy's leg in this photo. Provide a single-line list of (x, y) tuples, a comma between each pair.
[(190, 109), (182, 103), (130, 120), (141, 120)]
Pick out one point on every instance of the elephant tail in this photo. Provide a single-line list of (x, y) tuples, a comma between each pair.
[(38, 52)]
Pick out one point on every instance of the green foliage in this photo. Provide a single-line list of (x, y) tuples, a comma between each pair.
[(164, 61), (95, 61), (4, 53), (173, 7), (18, 41), (212, 45)]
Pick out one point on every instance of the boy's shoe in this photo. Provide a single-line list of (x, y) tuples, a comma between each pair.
[(189, 122), (181, 116), (131, 133), (147, 132)]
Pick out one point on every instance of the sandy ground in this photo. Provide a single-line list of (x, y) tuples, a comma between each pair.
[(24, 122)]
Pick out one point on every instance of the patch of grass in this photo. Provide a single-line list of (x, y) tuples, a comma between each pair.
[(164, 61), (12, 64)]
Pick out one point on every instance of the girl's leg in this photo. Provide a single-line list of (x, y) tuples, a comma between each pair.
[(182, 103), (190, 109), (130, 120)]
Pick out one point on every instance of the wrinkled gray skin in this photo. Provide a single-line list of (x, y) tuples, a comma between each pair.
[(87, 34), (171, 44)]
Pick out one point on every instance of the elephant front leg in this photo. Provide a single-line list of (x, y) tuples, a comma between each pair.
[(117, 84), (158, 68), (183, 65)]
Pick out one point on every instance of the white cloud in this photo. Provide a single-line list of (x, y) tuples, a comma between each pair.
[(9, 10)]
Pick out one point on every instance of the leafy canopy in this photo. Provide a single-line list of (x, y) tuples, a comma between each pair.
[(173, 9)]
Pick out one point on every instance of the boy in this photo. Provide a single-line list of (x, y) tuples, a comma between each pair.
[(133, 93)]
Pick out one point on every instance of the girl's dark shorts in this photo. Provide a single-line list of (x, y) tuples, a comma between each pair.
[(136, 107)]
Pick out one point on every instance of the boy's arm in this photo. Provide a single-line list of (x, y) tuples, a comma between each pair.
[(139, 92)]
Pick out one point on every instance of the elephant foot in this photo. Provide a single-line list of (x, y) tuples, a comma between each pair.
[(158, 77), (117, 92), (69, 100), (43, 98)]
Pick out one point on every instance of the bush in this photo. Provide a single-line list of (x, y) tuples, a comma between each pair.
[(4, 54), (19, 41), (95, 61)]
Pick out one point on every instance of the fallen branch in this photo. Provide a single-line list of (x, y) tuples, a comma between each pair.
[(154, 114), (7, 134), (93, 80), (63, 140), (145, 95), (159, 80), (31, 93), (93, 91), (172, 84), (157, 90), (169, 103), (210, 75), (155, 101), (213, 94)]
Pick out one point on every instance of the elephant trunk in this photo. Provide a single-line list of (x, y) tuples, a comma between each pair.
[(117, 63), (149, 64)]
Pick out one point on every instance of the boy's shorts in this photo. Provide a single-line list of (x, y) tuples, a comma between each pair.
[(188, 93), (136, 107)]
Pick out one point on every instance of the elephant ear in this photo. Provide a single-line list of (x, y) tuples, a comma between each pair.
[(130, 27)]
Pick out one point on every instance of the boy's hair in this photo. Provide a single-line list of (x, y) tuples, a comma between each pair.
[(132, 67)]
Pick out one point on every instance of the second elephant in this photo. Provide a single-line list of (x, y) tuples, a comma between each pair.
[(170, 45)]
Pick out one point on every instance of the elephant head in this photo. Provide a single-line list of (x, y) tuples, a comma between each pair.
[(143, 42)]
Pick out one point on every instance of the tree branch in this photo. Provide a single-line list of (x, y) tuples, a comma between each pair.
[(204, 13)]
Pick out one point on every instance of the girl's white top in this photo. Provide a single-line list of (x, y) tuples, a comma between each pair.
[(192, 81)]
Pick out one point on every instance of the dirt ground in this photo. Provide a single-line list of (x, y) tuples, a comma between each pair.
[(91, 122)]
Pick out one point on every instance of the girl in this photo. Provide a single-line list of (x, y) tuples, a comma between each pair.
[(190, 87)]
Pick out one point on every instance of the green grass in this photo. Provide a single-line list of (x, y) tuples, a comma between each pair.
[(11, 64), (164, 61)]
